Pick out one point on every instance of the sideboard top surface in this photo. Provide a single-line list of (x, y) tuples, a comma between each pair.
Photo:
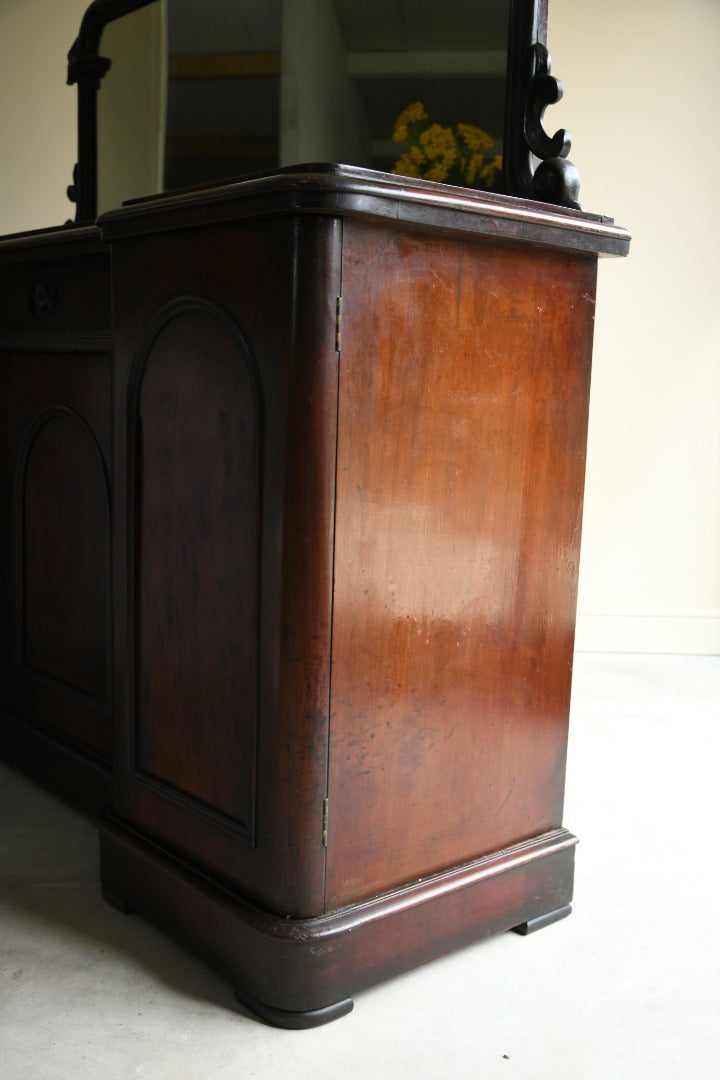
[(345, 191), (63, 241)]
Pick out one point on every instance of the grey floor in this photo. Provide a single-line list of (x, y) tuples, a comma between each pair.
[(627, 987)]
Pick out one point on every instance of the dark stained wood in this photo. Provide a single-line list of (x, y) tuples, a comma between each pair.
[(535, 164), (55, 506), (300, 556), (375, 395), (55, 291), (341, 191), (275, 283), (62, 499), (531, 926), (68, 769), (285, 967), (195, 417)]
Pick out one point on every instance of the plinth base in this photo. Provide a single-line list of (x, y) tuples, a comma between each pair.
[(301, 972)]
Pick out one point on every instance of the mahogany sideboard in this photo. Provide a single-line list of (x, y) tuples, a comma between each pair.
[(302, 514)]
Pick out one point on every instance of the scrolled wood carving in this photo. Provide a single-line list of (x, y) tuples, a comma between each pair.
[(535, 164), (555, 179)]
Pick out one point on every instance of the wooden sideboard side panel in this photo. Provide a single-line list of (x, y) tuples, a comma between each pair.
[(462, 423)]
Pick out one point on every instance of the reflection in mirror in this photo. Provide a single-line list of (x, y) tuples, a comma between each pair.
[(131, 107), (269, 83), (350, 70), (223, 91)]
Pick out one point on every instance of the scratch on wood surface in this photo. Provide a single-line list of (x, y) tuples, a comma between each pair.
[(512, 786), (441, 279)]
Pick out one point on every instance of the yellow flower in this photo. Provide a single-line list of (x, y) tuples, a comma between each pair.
[(405, 166), (412, 114), (438, 171), (474, 166), (463, 155), (480, 171), (474, 137), (439, 142), (487, 173)]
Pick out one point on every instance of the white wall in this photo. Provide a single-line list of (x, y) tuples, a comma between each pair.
[(642, 88), (38, 125), (37, 112)]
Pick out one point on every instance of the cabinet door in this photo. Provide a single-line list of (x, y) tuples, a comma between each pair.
[(224, 393), (55, 512)]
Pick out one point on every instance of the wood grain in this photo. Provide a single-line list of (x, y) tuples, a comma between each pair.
[(463, 407)]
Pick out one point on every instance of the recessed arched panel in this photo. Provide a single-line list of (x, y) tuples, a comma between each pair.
[(196, 419), (64, 550)]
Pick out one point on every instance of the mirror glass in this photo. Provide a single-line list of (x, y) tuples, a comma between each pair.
[(131, 107), (204, 92)]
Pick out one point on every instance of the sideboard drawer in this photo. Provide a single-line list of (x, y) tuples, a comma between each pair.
[(55, 295)]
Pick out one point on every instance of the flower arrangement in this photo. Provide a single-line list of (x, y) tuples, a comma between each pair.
[(465, 155)]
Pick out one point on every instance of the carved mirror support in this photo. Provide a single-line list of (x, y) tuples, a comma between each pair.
[(87, 68), (535, 164)]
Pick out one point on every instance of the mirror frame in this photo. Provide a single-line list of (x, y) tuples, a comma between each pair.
[(535, 164), (87, 68)]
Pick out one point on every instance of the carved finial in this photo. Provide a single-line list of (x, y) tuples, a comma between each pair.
[(556, 180)]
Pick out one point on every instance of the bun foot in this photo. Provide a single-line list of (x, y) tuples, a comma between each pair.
[(287, 1019), (541, 921), (118, 902)]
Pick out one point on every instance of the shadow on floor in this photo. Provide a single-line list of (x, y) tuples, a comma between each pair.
[(49, 878)]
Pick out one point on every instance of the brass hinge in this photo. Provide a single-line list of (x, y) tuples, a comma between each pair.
[(338, 323), (324, 822)]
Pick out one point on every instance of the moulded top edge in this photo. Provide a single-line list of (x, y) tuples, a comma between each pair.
[(86, 236), (349, 191)]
